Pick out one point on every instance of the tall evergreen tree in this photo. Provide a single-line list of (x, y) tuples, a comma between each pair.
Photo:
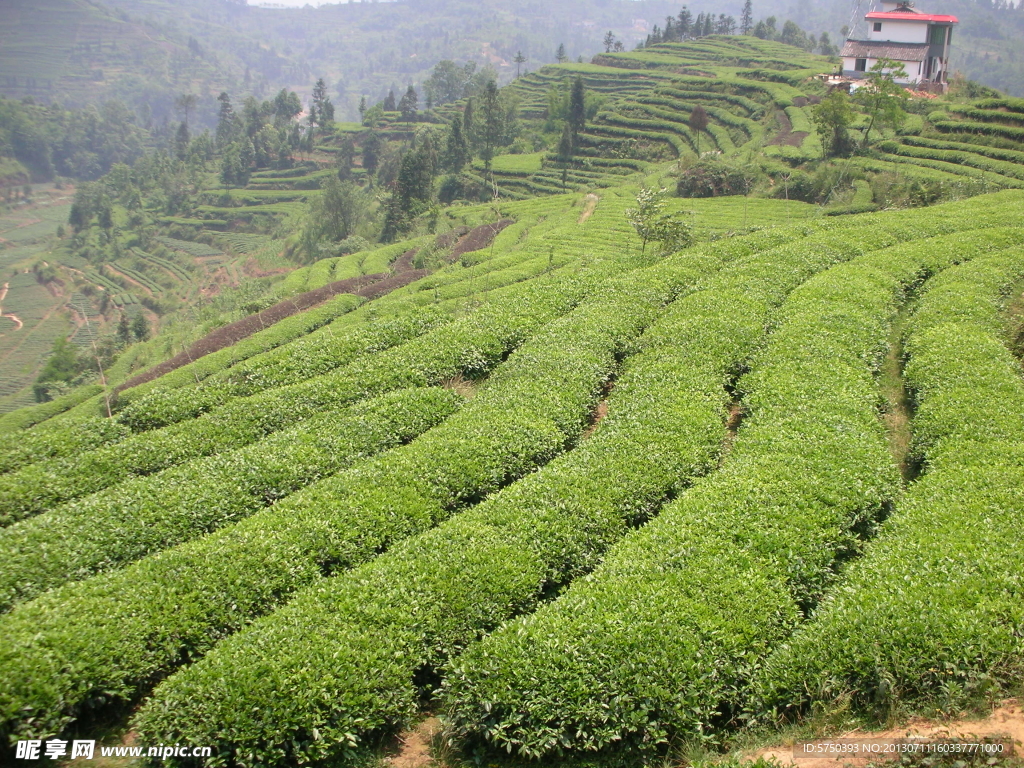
[(181, 141), (565, 144), (609, 41), (389, 102), (227, 121), (407, 104), (519, 59), (577, 109), (371, 152), (492, 115), (685, 23), (747, 18), (560, 54), (321, 111), (456, 150), (468, 126)]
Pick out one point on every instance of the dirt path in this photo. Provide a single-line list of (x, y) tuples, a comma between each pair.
[(15, 319), (588, 209), (1007, 720), (414, 746), (3, 292), (786, 135)]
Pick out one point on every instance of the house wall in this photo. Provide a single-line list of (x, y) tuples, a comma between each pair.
[(915, 69), (899, 31)]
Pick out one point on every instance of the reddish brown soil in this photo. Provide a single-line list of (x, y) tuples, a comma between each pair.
[(478, 237), (368, 286), (414, 746), (234, 332)]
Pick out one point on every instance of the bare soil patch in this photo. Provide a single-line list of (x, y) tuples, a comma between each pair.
[(414, 746), (1006, 720), (588, 208)]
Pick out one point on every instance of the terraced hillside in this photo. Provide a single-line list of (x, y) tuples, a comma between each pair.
[(584, 496), (453, 493)]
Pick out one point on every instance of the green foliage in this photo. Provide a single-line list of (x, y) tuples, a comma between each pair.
[(721, 576), (882, 97), (947, 550), (832, 119), (651, 223), (713, 177)]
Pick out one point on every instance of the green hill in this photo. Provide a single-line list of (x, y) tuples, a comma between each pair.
[(625, 423)]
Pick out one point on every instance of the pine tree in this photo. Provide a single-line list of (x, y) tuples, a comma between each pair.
[(560, 54), (371, 152), (609, 41), (321, 111), (181, 140), (468, 128), (362, 107), (565, 147), (227, 121), (492, 117), (747, 19), (456, 149), (519, 59), (685, 23), (389, 102), (577, 109), (407, 104)]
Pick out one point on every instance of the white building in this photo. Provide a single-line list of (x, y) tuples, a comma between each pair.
[(920, 41)]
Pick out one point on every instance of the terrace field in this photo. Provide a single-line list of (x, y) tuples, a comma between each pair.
[(590, 488)]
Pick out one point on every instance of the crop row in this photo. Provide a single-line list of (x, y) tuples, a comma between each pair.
[(996, 153), (175, 269), (415, 608), (973, 112), (996, 179), (928, 613), (54, 440), (970, 158), (531, 408), (188, 246), (314, 354), (468, 348), (988, 129), (149, 514), (721, 576)]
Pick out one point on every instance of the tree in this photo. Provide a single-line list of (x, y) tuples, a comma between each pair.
[(124, 331), (456, 153), (140, 327), (181, 140), (346, 153), (577, 109), (362, 107), (321, 110), (185, 104), (333, 215), (389, 102), (652, 223), (227, 121), (882, 97), (286, 106), (371, 152), (832, 118), (519, 59), (492, 117), (684, 24), (609, 41), (449, 82), (407, 105), (825, 47), (468, 126), (565, 144), (747, 18), (698, 123), (560, 54)]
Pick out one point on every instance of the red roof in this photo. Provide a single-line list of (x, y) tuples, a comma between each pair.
[(897, 16)]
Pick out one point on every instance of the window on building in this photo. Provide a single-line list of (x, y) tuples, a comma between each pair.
[(878, 26), (938, 36), (860, 65)]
